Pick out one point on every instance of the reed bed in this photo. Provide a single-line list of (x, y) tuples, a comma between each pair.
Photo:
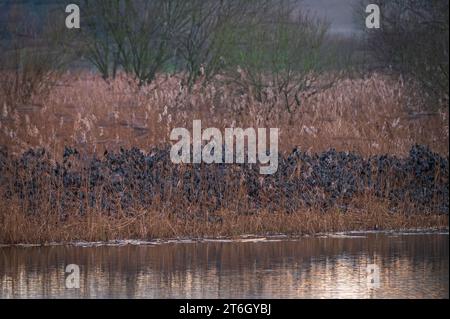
[(373, 115), (17, 227), (88, 161)]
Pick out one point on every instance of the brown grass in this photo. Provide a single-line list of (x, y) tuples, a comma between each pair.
[(17, 227), (369, 116)]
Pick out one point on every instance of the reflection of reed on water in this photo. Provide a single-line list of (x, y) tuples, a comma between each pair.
[(410, 266)]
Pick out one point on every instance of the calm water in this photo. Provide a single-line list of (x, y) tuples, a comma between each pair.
[(410, 266)]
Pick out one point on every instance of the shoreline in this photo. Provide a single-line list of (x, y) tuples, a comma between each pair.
[(95, 226), (244, 238)]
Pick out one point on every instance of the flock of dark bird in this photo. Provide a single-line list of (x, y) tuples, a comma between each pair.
[(128, 180)]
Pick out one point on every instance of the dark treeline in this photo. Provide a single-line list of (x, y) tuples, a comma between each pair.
[(414, 41), (253, 43), (204, 38)]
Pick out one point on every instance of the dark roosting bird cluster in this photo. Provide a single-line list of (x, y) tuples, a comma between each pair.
[(129, 180)]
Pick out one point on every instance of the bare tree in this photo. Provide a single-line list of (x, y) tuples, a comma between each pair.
[(32, 54), (209, 34), (414, 41), (281, 48), (136, 35)]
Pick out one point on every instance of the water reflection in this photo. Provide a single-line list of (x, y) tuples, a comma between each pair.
[(410, 267)]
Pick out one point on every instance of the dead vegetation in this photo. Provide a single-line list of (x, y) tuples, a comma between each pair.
[(17, 227), (374, 115)]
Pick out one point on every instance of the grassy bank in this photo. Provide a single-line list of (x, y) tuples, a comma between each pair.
[(15, 227), (47, 196)]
